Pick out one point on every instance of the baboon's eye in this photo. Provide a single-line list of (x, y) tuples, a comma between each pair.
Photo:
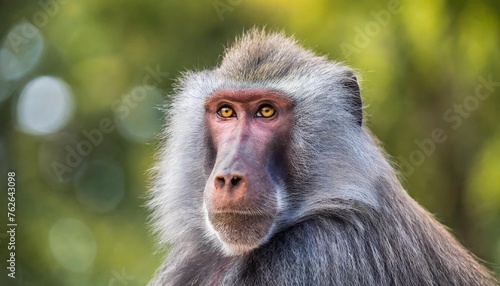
[(226, 112), (266, 111)]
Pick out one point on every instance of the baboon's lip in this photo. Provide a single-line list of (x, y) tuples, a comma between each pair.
[(240, 212)]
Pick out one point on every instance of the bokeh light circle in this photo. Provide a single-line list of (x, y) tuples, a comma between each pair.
[(139, 117), (21, 50), (44, 106), (102, 186), (73, 244)]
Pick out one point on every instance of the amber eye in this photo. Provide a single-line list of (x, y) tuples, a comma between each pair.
[(266, 111), (226, 112)]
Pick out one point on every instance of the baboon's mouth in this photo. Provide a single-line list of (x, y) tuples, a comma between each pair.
[(241, 227)]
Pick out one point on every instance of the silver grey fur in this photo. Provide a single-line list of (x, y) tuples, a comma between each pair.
[(347, 219)]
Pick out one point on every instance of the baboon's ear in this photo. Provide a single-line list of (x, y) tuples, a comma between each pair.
[(350, 82)]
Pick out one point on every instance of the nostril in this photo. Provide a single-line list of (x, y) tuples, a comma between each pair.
[(227, 182), (220, 182), (235, 180)]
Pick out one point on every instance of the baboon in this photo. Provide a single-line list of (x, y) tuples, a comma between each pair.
[(269, 176)]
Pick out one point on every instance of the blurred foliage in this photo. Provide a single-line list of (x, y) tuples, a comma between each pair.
[(100, 69)]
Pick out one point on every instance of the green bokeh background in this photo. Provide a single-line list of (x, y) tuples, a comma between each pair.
[(421, 63)]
